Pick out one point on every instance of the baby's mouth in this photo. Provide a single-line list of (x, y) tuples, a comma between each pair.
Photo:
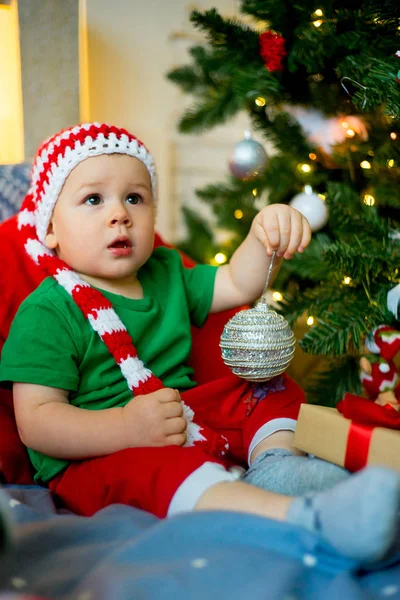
[(121, 243)]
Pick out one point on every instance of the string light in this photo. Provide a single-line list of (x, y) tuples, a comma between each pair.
[(318, 13), (350, 133), (312, 156), (277, 296), (220, 258), (393, 135), (345, 124), (322, 196), (238, 214), (365, 164), (369, 200), (305, 168), (254, 192), (310, 321), (317, 23), (260, 101), (390, 163), (347, 280)]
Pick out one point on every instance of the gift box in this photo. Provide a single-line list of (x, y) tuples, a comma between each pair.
[(350, 442)]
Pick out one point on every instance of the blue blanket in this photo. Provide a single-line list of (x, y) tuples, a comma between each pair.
[(123, 553)]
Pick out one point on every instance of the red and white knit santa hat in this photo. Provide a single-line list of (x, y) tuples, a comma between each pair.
[(384, 340), (55, 160)]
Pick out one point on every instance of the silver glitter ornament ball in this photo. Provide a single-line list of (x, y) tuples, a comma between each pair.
[(248, 160), (257, 344)]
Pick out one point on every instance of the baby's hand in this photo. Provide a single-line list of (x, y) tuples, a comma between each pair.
[(282, 229), (155, 420)]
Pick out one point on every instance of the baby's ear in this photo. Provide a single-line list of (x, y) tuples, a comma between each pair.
[(51, 238)]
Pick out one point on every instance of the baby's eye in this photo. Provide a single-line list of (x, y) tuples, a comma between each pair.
[(93, 200), (133, 199)]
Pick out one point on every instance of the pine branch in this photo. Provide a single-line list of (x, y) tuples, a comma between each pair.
[(328, 388), (211, 112), (285, 133), (229, 33), (310, 265), (315, 301), (342, 330), (200, 246), (334, 337), (358, 259), (385, 11)]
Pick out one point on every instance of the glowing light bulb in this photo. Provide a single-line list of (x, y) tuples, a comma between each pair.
[(344, 124), (277, 296), (390, 163), (350, 133), (254, 192), (312, 156), (305, 168), (365, 164), (322, 196), (310, 321), (260, 101), (318, 13), (238, 214), (369, 200), (317, 23), (220, 258), (347, 280), (393, 136)]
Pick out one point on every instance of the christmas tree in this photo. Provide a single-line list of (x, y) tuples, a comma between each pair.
[(321, 81)]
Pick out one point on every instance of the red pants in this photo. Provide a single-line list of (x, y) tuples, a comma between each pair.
[(153, 479)]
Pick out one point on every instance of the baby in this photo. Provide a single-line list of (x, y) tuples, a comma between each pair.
[(98, 357)]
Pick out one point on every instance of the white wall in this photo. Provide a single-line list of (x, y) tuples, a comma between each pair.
[(50, 68), (129, 52)]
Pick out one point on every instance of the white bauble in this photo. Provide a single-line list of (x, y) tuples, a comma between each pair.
[(312, 207)]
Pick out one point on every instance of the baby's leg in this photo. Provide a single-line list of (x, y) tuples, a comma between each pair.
[(358, 517), (161, 480), (275, 464), (280, 470)]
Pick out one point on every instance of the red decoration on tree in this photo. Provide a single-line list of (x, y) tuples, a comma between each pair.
[(272, 50)]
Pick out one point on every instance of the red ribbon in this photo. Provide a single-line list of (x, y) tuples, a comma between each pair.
[(358, 442)]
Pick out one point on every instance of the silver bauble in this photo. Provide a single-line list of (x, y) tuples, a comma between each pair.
[(257, 344), (248, 160)]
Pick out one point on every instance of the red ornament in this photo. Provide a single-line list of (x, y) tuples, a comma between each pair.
[(272, 50)]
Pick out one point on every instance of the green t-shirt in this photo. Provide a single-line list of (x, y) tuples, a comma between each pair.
[(51, 343)]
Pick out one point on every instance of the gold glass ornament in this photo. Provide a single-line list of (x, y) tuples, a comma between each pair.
[(257, 344)]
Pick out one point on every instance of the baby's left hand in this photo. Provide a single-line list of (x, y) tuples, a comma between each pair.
[(282, 229)]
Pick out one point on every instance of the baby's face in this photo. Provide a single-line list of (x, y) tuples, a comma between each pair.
[(103, 222)]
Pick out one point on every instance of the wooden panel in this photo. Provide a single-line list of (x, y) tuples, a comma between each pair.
[(50, 68)]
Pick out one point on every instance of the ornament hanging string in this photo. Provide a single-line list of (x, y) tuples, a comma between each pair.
[(270, 269)]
